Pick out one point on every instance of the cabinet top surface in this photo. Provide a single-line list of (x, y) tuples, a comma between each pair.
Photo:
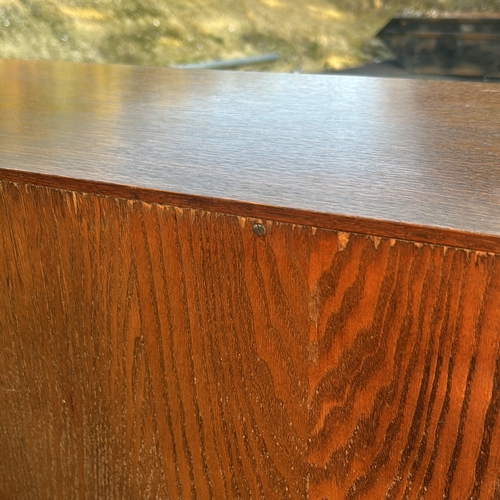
[(423, 153)]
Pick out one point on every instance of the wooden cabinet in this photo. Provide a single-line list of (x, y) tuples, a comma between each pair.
[(229, 285)]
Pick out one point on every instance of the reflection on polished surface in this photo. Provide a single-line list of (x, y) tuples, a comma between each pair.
[(421, 152)]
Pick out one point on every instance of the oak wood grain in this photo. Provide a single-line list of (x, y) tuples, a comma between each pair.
[(405, 378), (149, 351), (153, 351), (397, 158), (152, 345)]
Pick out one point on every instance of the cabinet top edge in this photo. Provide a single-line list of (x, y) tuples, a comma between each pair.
[(412, 158), (258, 212)]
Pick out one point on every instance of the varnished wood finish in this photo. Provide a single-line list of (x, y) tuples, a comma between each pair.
[(389, 157), (405, 376), (150, 352), (153, 345), (173, 351)]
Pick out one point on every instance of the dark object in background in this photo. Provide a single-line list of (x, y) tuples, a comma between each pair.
[(459, 45)]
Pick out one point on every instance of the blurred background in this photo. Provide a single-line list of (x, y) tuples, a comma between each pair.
[(311, 36)]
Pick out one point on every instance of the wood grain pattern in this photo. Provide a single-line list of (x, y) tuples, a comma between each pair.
[(397, 158), (143, 348), (153, 346), (404, 385), (152, 351)]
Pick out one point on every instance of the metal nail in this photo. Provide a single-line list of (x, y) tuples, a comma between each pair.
[(258, 229)]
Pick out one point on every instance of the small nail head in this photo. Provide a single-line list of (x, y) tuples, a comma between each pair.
[(259, 229)]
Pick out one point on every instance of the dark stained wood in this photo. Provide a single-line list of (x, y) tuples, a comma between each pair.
[(424, 234), (446, 45), (153, 345), (149, 351), (405, 376), (398, 158)]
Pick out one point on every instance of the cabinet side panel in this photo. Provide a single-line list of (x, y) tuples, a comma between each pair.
[(148, 351), (404, 387)]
